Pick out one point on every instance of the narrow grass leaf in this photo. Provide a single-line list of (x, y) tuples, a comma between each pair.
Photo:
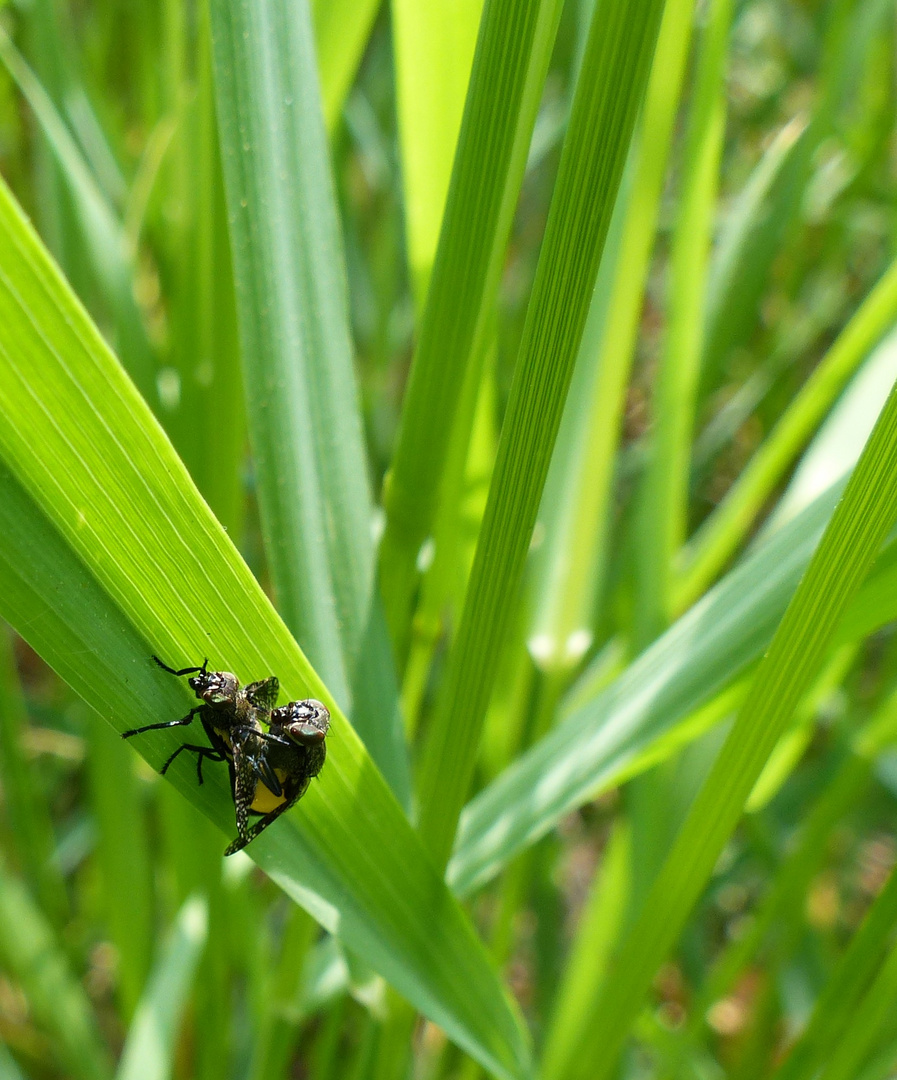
[(664, 494), (148, 1052), (302, 400), (35, 959), (509, 67), (108, 555), (843, 558), (572, 560), (609, 92)]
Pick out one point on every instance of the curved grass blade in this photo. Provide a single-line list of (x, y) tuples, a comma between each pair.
[(609, 92), (843, 558), (108, 554), (302, 402)]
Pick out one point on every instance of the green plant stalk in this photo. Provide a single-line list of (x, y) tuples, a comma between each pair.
[(664, 495), (719, 537), (574, 556), (849, 545), (608, 95), (509, 67)]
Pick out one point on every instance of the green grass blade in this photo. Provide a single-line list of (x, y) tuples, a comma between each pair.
[(342, 29), (609, 93), (108, 554), (720, 535), (148, 1053), (572, 561), (123, 857), (302, 401), (32, 956), (664, 495), (839, 564), (505, 85), (433, 46), (707, 647)]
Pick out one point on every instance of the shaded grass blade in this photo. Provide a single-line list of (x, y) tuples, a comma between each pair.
[(108, 554), (609, 92), (838, 566), (302, 401)]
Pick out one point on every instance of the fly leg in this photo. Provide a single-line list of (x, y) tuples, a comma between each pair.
[(166, 724)]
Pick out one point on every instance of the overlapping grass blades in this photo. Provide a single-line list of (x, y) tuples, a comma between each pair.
[(109, 555)]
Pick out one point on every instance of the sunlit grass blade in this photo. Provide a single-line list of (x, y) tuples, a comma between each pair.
[(727, 526), (572, 560), (148, 1053), (509, 69), (32, 956), (433, 47), (342, 28), (843, 558), (609, 93), (109, 555), (302, 400)]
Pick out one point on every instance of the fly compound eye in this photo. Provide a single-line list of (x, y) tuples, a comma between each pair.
[(309, 721), (216, 688)]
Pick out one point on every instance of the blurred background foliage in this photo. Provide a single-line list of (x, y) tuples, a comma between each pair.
[(744, 284)]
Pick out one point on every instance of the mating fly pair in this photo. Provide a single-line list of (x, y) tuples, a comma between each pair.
[(269, 770)]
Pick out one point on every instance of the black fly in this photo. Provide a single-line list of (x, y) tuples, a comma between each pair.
[(269, 770)]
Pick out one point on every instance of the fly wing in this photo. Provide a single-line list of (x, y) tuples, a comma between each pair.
[(263, 695)]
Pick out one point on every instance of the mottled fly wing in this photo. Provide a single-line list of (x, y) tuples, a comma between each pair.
[(263, 695)]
